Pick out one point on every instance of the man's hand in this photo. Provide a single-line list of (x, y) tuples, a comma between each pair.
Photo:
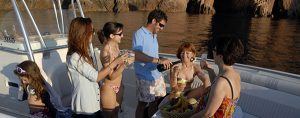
[(166, 62)]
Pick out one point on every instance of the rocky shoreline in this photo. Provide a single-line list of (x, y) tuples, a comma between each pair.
[(256, 8)]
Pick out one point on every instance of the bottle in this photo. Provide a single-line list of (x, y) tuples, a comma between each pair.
[(160, 67)]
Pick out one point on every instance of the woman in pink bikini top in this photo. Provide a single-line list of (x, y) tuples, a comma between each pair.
[(111, 90)]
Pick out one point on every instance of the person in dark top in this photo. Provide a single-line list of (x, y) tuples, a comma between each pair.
[(34, 85)]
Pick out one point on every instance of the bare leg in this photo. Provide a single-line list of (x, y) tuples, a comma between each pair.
[(120, 96), (139, 113), (108, 101)]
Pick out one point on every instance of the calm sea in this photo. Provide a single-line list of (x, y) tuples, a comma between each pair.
[(269, 43)]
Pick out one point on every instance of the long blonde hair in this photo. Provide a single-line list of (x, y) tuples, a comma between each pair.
[(79, 35)]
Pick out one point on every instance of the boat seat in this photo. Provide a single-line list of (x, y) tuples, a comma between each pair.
[(268, 103), (56, 69)]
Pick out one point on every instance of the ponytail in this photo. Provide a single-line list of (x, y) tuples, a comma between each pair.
[(101, 36), (108, 28)]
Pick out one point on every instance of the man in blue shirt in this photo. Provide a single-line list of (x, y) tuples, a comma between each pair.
[(150, 83)]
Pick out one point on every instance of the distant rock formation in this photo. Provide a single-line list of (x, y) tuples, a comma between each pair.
[(289, 7), (165, 5), (113, 5), (200, 6), (32, 4), (263, 8), (173, 5)]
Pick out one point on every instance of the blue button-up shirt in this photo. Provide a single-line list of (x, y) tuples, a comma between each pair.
[(144, 41)]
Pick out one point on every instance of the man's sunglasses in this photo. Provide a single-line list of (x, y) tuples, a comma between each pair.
[(161, 25)]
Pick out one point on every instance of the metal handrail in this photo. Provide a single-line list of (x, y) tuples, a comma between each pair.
[(33, 51), (34, 24), (73, 8), (62, 19), (20, 19), (80, 8), (56, 17), (90, 45)]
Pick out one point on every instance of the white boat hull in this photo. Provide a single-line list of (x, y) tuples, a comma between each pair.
[(265, 93)]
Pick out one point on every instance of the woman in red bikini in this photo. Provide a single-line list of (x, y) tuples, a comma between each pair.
[(111, 90), (219, 100)]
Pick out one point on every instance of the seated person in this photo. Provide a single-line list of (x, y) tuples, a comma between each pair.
[(220, 99), (43, 101), (182, 74)]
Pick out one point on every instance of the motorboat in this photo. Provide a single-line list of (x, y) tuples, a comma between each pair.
[(265, 92)]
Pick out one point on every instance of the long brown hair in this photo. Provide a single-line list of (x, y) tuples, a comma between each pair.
[(32, 72), (78, 40)]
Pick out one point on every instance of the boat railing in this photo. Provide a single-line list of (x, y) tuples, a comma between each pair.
[(61, 17), (61, 28), (20, 20), (258, 69), (53, 42), (73, 8), (34, 24)]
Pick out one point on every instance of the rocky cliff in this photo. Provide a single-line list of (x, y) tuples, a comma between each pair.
[(32, 4), (255, 7)]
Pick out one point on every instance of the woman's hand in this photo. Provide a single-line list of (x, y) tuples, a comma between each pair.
[(119, 60), (204, 65), (130, 60)]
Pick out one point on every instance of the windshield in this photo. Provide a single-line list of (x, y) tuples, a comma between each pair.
[(11, 36)]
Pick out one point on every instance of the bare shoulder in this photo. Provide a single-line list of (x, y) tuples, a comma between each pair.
[(220, 82), (176, 66), (104, 51), (196, 66), (233, 76), (104, 55)]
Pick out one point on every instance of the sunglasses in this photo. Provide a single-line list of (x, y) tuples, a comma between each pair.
[(20, 70), (161, 25), (120, 34)]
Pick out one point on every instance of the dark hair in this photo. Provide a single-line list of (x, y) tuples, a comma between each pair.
[(78, 39), (108, 28), (32, 72), (230, 47), (158, 15), (185, 47)]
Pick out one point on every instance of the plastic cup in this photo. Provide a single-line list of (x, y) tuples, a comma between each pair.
[(203, 57)]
